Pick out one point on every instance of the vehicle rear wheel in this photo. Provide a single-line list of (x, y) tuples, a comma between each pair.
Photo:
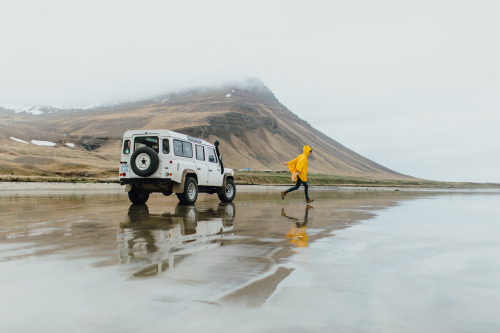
[(138, 196), (190, 194), (229, 191)]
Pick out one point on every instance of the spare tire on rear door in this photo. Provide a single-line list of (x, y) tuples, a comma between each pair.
[(144, 161)]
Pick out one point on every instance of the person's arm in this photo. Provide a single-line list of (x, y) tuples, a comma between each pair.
[(292, 167)]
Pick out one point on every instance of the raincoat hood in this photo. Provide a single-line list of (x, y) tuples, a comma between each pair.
[(306, 150)]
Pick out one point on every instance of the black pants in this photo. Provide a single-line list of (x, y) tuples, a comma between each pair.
[(297, 186)]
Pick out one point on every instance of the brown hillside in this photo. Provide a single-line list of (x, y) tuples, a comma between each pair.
[(254, 128)]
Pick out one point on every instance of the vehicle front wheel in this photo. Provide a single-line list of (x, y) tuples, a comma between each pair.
[(190, 194), (228, 192), (138, 196)]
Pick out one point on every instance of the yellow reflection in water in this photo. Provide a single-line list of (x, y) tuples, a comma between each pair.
[(297, 232)]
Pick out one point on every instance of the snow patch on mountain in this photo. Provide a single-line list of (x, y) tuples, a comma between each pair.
[(22, 108), (19, 140), (43, 143), (38, 110)]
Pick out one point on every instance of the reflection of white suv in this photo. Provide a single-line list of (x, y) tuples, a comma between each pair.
[(150, 244), (168, 162)]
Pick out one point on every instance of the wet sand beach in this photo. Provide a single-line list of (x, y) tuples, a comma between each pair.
[(81, 258)]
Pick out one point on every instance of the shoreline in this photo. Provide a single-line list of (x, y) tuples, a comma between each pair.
[(280, 180), (27, 188)]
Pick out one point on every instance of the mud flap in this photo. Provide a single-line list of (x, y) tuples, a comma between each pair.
[(222, 189)]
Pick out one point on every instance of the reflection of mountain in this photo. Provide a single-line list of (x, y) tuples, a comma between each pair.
[(150, 244)]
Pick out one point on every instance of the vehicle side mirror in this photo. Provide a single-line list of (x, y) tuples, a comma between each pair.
[(220, 158)]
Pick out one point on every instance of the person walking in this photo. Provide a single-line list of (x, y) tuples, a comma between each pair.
[(298, 168)]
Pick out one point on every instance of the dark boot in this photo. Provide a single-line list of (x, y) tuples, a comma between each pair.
[(309, 200)]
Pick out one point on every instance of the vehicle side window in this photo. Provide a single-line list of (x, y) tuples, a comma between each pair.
[(177, 148), (187, 149), (126, 147), (184, 149), (166, 146), (200, 153), (211, 155), (147, 141)]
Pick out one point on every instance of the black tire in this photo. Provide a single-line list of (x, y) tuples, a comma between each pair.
[(144, 161), (229, 192), (190, 194), (138, 196)]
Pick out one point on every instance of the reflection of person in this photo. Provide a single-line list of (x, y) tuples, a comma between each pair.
[(298, 236), (298, 168), (297, 232)]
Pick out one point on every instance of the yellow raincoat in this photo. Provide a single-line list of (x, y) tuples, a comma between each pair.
[(299, 165)]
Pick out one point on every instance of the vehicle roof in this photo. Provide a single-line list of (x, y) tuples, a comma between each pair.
[(165, 133)]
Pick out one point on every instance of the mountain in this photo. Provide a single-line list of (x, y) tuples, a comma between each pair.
[(254, 128)]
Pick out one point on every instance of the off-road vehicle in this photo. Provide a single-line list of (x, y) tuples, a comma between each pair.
[(169, 162)]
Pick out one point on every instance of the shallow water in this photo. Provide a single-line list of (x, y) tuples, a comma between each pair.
[(353, 261)]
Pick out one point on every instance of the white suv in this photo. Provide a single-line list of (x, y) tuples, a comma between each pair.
[(169, 162)]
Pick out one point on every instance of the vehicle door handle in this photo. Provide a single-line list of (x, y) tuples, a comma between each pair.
[(210, 170), (199, 168)]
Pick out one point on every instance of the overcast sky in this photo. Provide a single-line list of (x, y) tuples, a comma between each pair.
[(412, 85)]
